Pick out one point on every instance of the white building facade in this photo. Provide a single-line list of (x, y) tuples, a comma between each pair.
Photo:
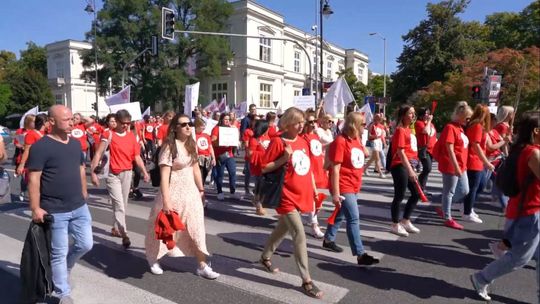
[(265, 72), (64, 69)]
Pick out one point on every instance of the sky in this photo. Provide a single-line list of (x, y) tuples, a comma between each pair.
[(48, 21)]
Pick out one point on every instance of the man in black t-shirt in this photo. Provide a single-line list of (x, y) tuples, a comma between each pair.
[(57, 186)]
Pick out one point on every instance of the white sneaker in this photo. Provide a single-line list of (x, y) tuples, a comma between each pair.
[(398, 230), (175, 253), (409, 227), (382, 175), (220, 196), (207, 273), (366, 172), (236, 196), (497, 252), (21, 197), (316, 231), (472, 219), (480, 289), (156, 269)]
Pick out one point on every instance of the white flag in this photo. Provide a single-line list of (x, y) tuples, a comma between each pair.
[(33, 111), (368, 116), (240, 109), (223, 104), (191, 98), (338, 96), (146, 112), (211, 107), (119, 98)]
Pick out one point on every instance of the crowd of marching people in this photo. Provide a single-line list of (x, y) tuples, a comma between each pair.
[(305, 154)]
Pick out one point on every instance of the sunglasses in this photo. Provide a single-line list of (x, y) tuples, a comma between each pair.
[(185, 124), (125, 122), (311, 122)]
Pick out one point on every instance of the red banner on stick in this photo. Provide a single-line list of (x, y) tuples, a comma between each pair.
[(319, 200), (423, 197), (433, 106)]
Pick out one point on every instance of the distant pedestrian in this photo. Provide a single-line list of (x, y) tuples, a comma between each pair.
[(57, 186), (225, 159), (426, 136)]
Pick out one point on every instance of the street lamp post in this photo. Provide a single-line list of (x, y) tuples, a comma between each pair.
[(384, 61), (326, 11), (91, 8)]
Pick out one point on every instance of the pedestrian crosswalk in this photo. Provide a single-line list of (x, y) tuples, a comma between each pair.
[(109, 274)]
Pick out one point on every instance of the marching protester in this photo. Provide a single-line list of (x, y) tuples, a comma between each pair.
[(18, 141), (149, 136), (124, 151), (376, 136), (317, 156), (404, 157), (505, 120), (181, 191), (452, 156), (246, 121), (225, 159), (161, 132), (79, 132), (476, 132), (494, 145), (297, 195), (426, 136), (137, 130), (324, 131), (246, 136), (57, 186), (258, 143), (271, 118), (347, 155), (522, 229), (205, 151)]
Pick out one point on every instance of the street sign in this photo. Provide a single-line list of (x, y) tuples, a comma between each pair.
[(275, 103)]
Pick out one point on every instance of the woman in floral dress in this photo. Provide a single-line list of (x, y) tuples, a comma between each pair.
[(181, 190)]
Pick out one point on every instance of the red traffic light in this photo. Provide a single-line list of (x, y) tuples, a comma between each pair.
[(476, 89)]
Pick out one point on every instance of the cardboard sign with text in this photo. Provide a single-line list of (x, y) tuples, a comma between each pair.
[(228, 137), (304, 102)]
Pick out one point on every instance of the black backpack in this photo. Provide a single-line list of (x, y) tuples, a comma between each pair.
[(506, 173)]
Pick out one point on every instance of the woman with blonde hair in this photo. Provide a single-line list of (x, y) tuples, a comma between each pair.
[(505, 121), (347, 155), (452, 158), (298, 193), (476, 132), (181, 190)]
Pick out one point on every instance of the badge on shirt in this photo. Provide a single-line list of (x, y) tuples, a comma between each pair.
[(149, 129), (77, 133), (300, 162), (414, 143), (265, 144), (202, 143), (357, 158), (465, 140), (316, 147)]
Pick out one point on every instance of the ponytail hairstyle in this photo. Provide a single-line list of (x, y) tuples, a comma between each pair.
[(462, 110), (482, 116), (170, 140)]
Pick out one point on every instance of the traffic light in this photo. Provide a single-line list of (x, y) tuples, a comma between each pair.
[(476, 92), (94, 106), (167, 23)]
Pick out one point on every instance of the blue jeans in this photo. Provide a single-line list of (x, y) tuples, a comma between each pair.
[(349, 211), (230, 164), (77, 224), (455, 188), (524, 238), (497, 193), (475, 178), (382, 157)]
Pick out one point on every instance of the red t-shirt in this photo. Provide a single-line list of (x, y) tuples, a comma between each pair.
[(95, 130), (123, 149), (273, 131), (494, 137), (531, 204), (248, 134), (203, 144), (257, 146), (317, 160), (79, 133), (217, 149), (376, 131), (162, 132), (21, 131), (350, 154), (475, 133), (403, 139), (149, 131), (453, 134), (425, 140), (502, 128), (297, 193), (32, 136)]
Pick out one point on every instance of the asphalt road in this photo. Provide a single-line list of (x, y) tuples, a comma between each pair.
[(431, 267)]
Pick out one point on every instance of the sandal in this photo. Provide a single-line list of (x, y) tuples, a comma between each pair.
[(311, 290), (268, 265)]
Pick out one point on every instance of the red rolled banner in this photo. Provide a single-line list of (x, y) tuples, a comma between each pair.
[(433, 106), (332, 218), (423, 197), (319, 200)]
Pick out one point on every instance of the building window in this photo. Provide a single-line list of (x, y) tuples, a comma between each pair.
[(219, 90), (329, 70), (265, 95), (360, 71), (59, 98), (297, 61), (59, 69), (296, 92), (265, 49), (341, 68)]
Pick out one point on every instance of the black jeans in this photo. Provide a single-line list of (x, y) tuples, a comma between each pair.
[(401, 183), (427, 162)]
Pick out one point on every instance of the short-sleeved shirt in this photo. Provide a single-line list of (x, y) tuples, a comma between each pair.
[(203, 144), (149, 131), (248, 134), (503, 128), (162, 132), (350, 154), (475, 133), (60, 166), (273, 131), (425, 140), (95, 131), (297, 193), (257, 146), (317, 160), (453, 134), (32, 137), (220, 150), (403, 139), (494, 137), (18, 134), (531, 203), (123, 149), (79, 133)]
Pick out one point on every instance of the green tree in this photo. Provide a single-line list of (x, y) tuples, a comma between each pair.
[(432, 46), (124, 29), (34, 58), (5, 95), (7, 60), (29, 88), (376, 85)]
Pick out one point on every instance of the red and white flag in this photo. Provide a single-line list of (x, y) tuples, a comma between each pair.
[(119, 98), (223, 104)]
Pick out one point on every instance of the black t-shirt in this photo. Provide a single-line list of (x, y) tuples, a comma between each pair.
[(59, 163)]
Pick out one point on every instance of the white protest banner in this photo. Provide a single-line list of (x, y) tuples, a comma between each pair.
[(222, 106), (119, 98), (210, 124), (304, 102), (368, 116), (228, 137), (146, 112), (33, 111), (338, 96), (211, 107), (240, 109), (134, 108), (192, 96)]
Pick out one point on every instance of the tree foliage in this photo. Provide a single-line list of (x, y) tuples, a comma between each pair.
[(124, 28), (34, 58)]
